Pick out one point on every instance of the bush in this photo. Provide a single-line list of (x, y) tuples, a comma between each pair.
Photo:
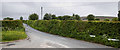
[(80, 29), (97, 19), (106, 19), (115, 19)]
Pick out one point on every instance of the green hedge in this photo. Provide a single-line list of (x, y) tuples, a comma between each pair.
[(81, 30), (9, 25)]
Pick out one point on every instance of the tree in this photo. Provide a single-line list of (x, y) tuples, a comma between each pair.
[(8, 18), (60, 18), (106, 19), (47, 16), (72, 18), (73, 15), (33, 17), (21, 18), (77, 17), (54, 16), (90, 17), (118, 15), (115, 19), (66, 17)]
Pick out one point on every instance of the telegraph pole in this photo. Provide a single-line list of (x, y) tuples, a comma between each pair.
[(41, 12)]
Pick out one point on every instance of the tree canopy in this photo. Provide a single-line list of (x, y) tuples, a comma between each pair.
[(48, 16), (33, 17), (119, 15), (90, 17), (60, 18), (8, 18), (21, 18), (54, 16), (65, 17), (77, 17)]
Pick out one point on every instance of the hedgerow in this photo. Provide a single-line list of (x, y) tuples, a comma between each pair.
[(12, 30), (9, 25), (81, 30)]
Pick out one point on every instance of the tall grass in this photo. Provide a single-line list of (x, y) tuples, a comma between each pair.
[(13, 35)]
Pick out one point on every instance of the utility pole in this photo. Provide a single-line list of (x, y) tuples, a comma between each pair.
[(41, 12)]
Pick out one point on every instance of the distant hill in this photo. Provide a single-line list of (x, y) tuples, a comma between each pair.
[(104, 16), (99, 17)]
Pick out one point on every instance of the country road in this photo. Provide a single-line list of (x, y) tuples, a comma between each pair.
[(40, 39)]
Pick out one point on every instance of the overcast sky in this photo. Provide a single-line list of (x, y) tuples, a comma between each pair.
[(16, 9)]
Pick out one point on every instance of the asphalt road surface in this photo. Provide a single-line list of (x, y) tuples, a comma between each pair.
[(38, 39)]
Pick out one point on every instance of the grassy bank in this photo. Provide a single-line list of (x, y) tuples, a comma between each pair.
[(81, 30), (12, 30), (13, 35)]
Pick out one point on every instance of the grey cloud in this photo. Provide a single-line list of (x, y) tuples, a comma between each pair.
[(60, 0), (17, 9), (0, 11), (119, 5)]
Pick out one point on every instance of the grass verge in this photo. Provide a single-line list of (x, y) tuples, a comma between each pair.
[(13, 35)]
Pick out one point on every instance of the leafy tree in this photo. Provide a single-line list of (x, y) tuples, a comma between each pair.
[(77, 17), (66, 17), (73, 15), (54, 16), (90, 17), (8, 18), (60, 18), (106, 19), (72, 18), (115, 19), (33, 17), (21, 18), (118, 15), (47, 16)]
